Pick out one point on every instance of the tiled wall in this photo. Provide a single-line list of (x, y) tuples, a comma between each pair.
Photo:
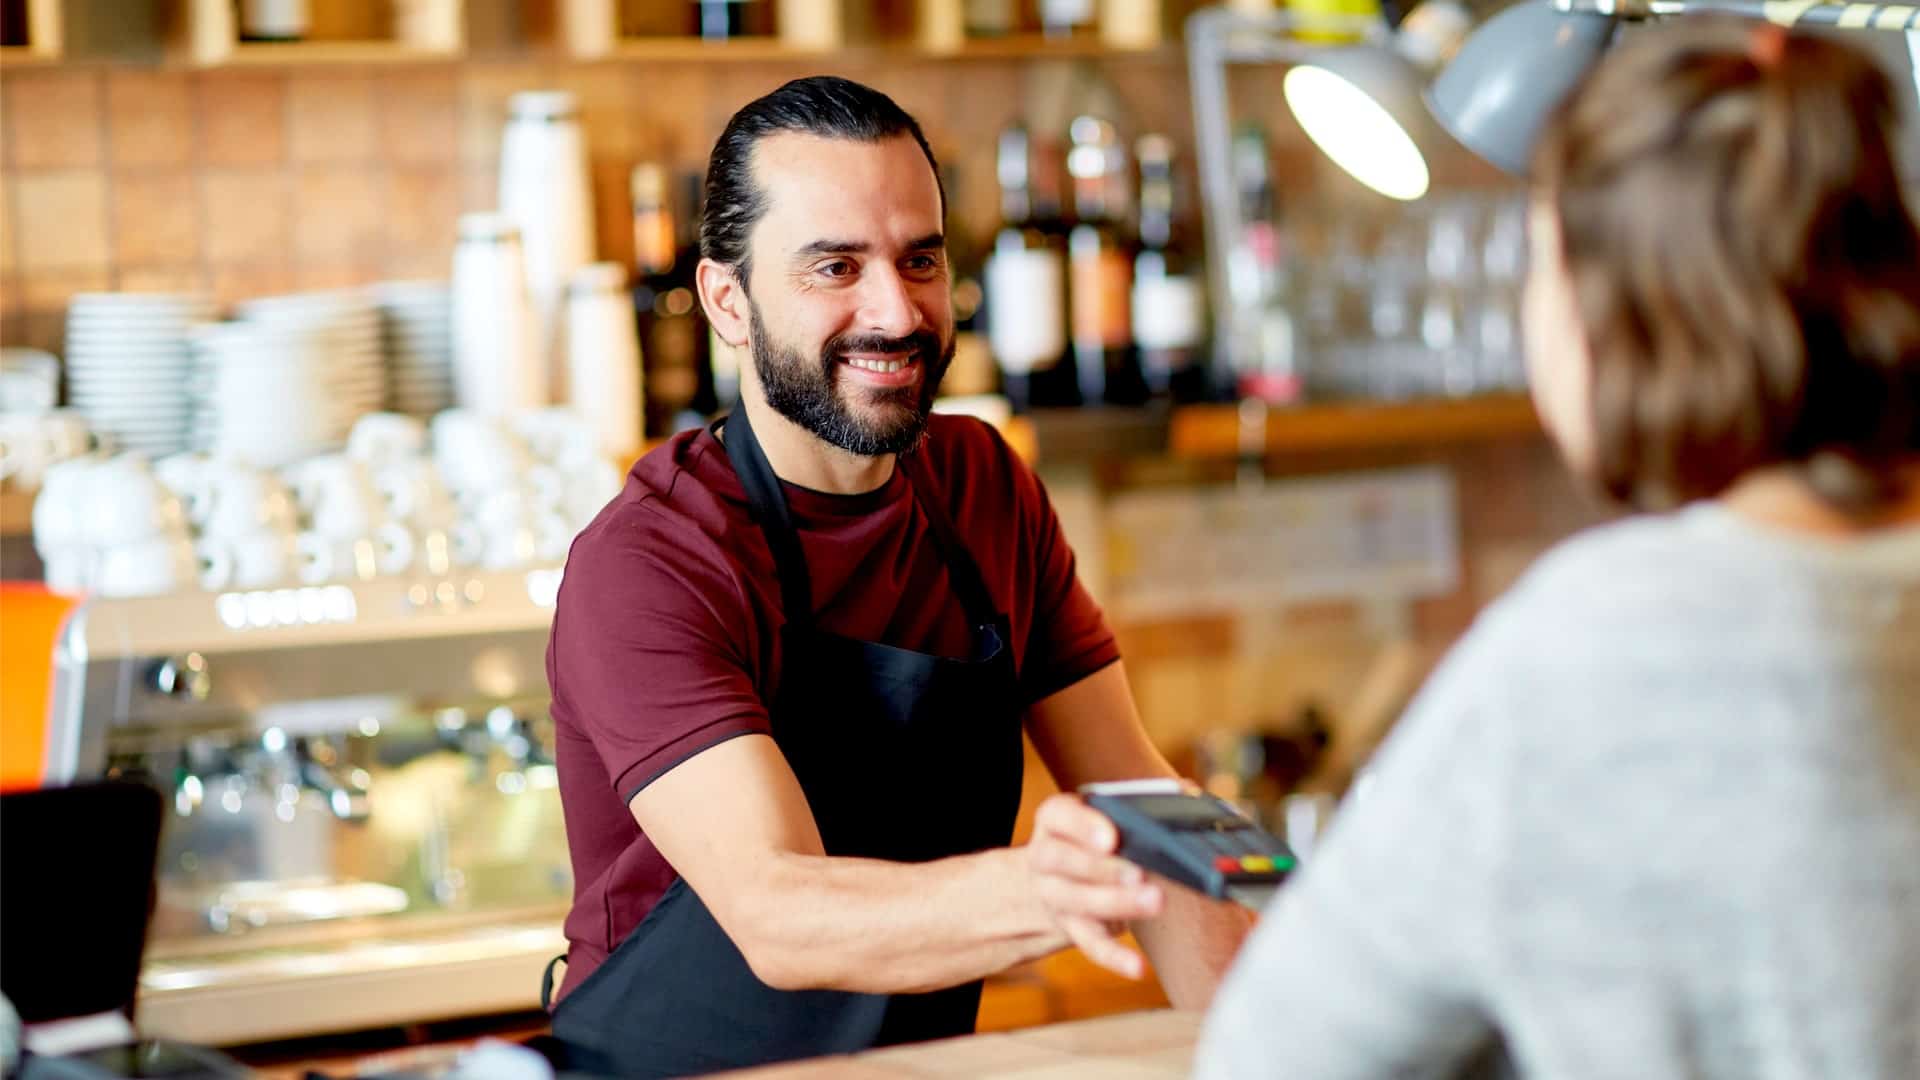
[(246, 182)]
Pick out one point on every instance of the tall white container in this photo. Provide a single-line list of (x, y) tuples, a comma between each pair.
[(545, 190), (495, 367), (603, 359)]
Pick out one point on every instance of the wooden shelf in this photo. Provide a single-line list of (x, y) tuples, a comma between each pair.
[(769, 49), (1041, 47), (590, 30), (16, 512), (207, 34), (669, 50), (296, 53), (1222, 430), (19, 56)]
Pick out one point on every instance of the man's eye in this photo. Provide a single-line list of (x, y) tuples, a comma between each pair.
[(923, 263), (837, 269)]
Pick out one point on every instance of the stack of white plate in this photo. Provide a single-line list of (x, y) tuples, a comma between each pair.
[(127, 362), (418, 317), (347, 323), (262, 393)]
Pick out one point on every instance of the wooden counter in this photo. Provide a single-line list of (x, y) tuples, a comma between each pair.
[(1154, 1045)]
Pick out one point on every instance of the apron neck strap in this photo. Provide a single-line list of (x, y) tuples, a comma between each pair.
[(962, 571), (768, 505)]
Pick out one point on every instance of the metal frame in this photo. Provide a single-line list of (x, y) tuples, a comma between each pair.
[(1217, 37), (1845, 16)]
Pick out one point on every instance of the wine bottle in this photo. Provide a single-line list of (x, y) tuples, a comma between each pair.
[(1169, 301), (666, 303), (1100, 269), (1026, 285)]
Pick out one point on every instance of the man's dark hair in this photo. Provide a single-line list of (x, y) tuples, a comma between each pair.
[(823, 105)]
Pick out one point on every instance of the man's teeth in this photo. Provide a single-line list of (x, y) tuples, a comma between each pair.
[(877, 365)]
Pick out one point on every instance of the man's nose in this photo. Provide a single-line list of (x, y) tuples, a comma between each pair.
[(887, 304)]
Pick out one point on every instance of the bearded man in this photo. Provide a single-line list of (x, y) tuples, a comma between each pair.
[(793, 660)]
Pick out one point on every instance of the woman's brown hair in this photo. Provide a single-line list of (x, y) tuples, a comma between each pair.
[(1746, 271)]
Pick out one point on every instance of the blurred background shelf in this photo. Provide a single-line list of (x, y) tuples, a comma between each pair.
[(1249, 429), (343, 53), (209, 34), (16, 512), (1225, 431), (750, 49)]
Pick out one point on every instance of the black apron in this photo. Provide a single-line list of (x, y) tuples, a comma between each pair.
[(902, 756)]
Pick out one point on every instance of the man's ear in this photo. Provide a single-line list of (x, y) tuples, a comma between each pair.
[(725, 300)]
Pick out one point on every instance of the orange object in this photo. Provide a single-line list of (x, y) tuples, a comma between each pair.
[(30, 622)]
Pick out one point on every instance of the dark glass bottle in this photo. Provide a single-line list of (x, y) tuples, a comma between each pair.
[(1026, 284), (973, 370), (666, 305), (1264, 345), (1100, 269), (721, 20), (1169, 299)]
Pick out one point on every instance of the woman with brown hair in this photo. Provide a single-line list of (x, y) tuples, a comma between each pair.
[(1658, 815)]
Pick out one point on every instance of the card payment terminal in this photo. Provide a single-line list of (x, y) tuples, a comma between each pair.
[(1176, 830)]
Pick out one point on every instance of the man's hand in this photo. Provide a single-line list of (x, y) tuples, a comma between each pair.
[(1088, 891)]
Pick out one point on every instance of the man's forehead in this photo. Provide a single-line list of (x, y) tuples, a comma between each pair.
[(806, 176)]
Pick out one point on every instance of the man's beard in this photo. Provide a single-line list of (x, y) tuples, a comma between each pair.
[(806, 393)]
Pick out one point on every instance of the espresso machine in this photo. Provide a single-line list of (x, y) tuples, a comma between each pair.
[(364, 825)]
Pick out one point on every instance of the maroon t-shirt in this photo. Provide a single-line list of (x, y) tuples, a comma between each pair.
[(666, 635)]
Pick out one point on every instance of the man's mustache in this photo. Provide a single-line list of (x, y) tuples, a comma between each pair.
[(925, 344)]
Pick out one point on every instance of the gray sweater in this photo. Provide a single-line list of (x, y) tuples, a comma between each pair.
[(1657, 815)]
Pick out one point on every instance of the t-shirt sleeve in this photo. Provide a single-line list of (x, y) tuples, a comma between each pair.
[(1374, 960), (1069, 638), (652, 652)]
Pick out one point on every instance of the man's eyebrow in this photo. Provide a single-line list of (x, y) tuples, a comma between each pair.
[(929, 242), (833, 247)]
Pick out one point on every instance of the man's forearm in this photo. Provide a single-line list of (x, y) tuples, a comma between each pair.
[(818, 922), (1192, 944)]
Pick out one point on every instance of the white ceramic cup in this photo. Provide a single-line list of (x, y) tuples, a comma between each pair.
[(557, 436), (383, 438), (414, 494), (70, 571), (150, 566), (185, 476), (61, 509), (244, 500), (246, 561), (31, 443), (124, 503), (339, 496)]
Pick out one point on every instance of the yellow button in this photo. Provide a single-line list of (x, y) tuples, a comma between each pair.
[(1256, 864)]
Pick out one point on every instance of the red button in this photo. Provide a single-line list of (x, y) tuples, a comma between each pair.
[(1227, 864)]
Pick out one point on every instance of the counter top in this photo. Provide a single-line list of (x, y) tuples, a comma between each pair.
[(1156, 1045)]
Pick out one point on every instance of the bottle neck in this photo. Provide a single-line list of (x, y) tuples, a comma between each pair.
[(654, 240), (1016, 207)]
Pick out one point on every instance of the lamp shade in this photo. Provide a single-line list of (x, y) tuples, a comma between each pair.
[(1509, 76), (1361, 106)]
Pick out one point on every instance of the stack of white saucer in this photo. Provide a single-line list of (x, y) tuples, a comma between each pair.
[(417, 317), (263, 393), (127, 366), (347, 325)]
